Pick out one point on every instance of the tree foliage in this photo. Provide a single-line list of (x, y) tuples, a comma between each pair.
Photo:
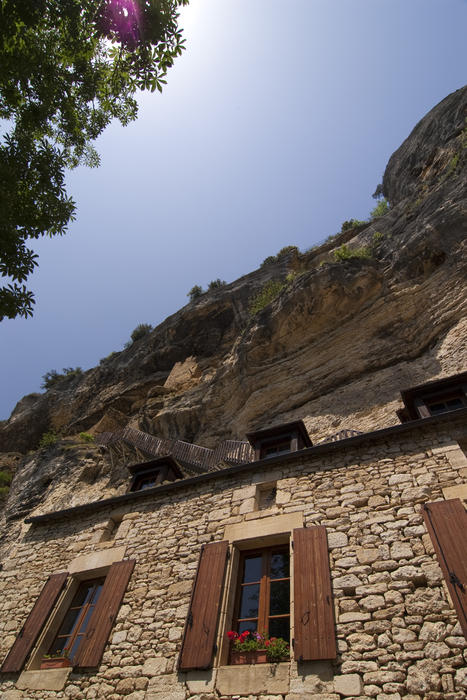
[(67, 68), (141, 331), (53, 378), (195, 292)]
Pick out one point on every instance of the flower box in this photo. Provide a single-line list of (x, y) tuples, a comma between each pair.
[(257, 656), (56, 662)]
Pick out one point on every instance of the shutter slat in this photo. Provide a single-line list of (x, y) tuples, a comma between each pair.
[(33, 626), (201, 626), (314, 629), (446, 522), (102, 620)]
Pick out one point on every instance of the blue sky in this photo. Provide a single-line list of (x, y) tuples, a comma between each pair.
[(275, 126)]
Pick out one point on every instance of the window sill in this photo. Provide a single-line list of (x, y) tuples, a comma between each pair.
[(254, 679), (50, 679)]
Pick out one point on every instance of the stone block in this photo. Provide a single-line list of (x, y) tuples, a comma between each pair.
[(372, 602), (348, 685), (155, 666), (96, 560), (165, 695), (312, 677), (12, 695), (247, 506), (367, 555), (347, 581), (264, 527), (458, 491), (256, 679), (433, 631), (200, 681), (354, 617), (53, 679), (401, 550), (244, 493), (337, 539)]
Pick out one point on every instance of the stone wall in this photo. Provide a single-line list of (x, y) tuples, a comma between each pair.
[(397, 632)]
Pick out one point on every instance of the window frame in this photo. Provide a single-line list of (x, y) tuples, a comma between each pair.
[(264, 616), (82, 614)]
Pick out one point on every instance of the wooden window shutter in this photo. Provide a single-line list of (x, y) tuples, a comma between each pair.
[(26, 639), (102, 619), (201, 625), (446, 522), (314, 629)]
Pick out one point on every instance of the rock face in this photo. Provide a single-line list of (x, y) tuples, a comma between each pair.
[(335, 347)]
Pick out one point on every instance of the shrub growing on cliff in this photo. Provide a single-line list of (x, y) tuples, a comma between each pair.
[(52, 378), (287, 250), (381, 208), (141, 330), (215, 284), (345, 253), (86, 437), (195, 292), (351, 223), (5, 478), (48, 439), (264, 297)]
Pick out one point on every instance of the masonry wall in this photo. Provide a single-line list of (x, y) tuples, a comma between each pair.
[(397, 632)]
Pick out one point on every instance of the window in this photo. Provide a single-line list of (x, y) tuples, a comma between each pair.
[(263, 595), (436, 406), (434, 398), (262, 588), (274, 449), (279, 440), (146, 481), (83, 625), (75, 623), (150, 474)]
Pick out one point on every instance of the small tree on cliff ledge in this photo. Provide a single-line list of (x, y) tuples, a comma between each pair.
[(67, 68)]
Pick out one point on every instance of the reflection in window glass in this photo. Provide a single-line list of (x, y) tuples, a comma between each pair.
[(263, 598), (76, 619)]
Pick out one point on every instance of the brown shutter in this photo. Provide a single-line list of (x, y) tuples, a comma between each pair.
[(105, 612), (201, 625), (314, 632), (446, 522), (33, 626)]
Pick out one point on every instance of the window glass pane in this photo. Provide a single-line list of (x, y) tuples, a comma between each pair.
[(58, 645), (249, 601), (247, 625), (279, 565), (454, 403), (252, 569), (68, 624), (436, 408), (82, 594), (146, 483), (97, 592), (87, 617), (280, 627), (280, 598), (279, 448)]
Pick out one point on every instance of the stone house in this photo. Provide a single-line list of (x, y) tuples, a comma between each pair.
[(353, 550)]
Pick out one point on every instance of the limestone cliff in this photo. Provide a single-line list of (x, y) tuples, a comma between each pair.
[(335, 347)]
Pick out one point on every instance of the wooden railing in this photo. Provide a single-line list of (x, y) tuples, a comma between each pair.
[(229, 451)]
